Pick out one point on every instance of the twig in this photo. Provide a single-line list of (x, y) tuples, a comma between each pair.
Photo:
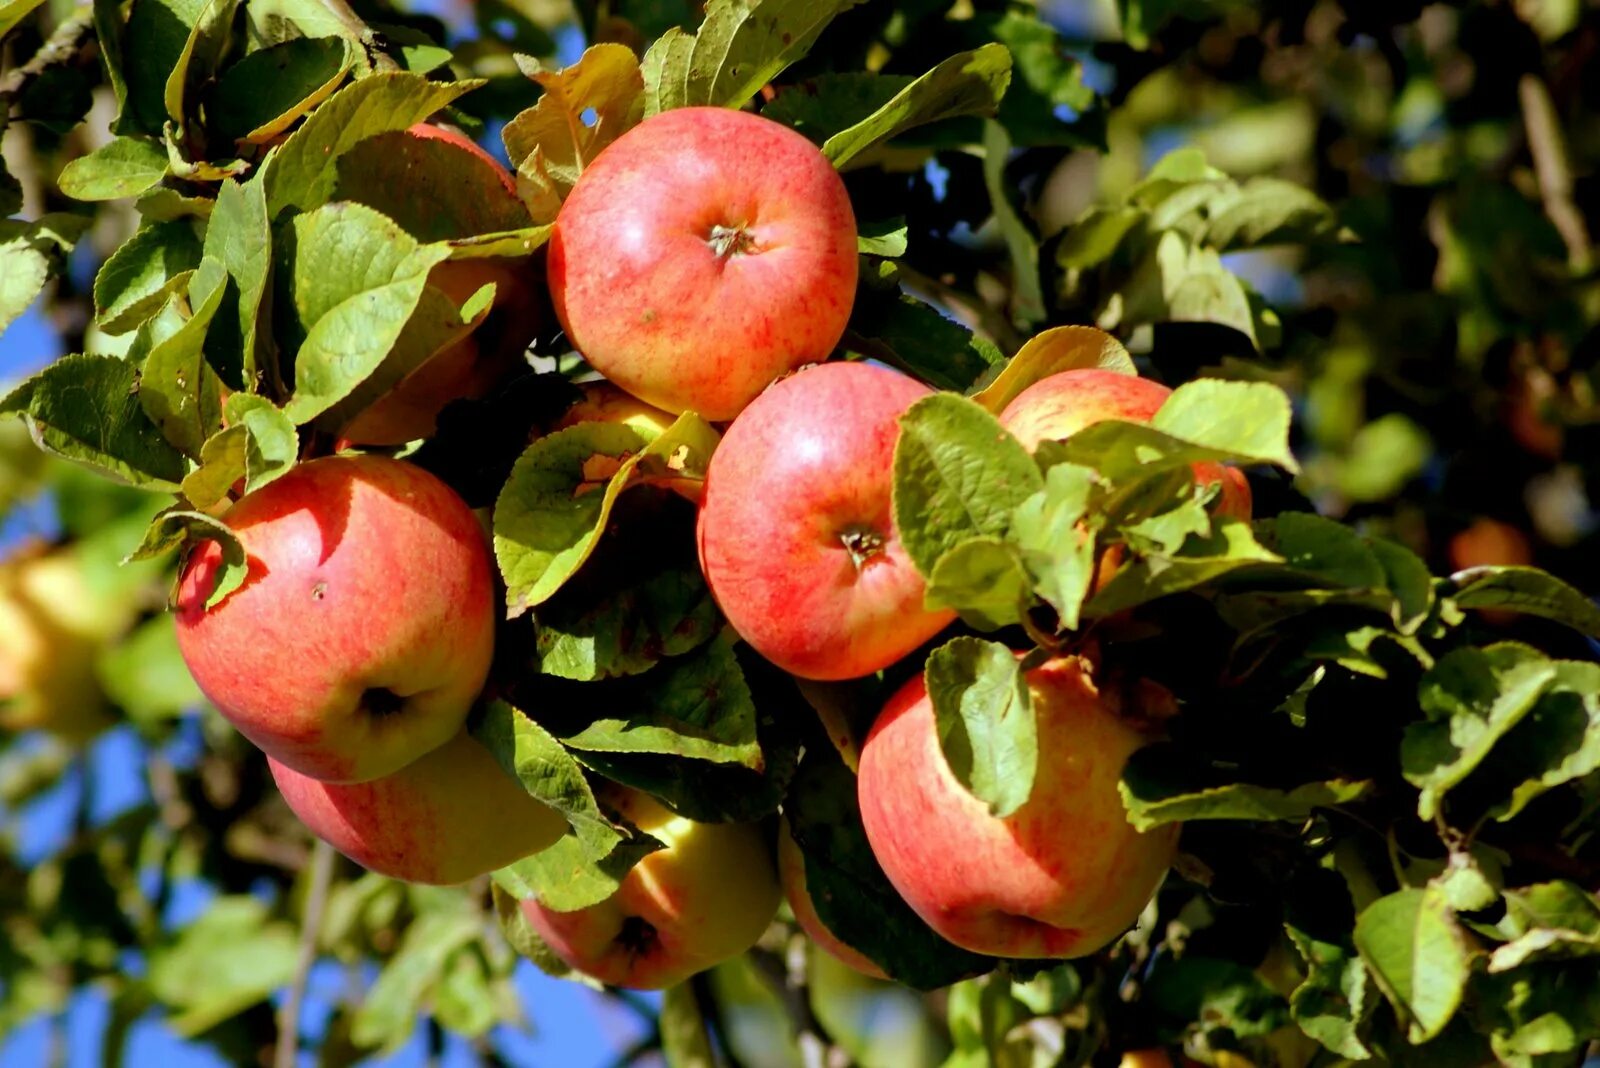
[(61, 48), (310, 925), (372, 44), (1549, 150)]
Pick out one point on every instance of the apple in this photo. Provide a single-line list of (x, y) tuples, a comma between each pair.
[(53, 624), (1060, 405), (448, 816), (701, 255), (703, 899), (603, 402), (1062, 876), (365, 625), (792, 876), (1490, 543), (796, 537), (427, 131)]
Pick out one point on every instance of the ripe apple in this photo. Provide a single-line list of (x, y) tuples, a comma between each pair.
[(52, 627), (796, 537), (792, 875), (365, 625), (701, 255), (1490, 543), (448, 816), (1062, 404), (1060, 877), (703, 899)]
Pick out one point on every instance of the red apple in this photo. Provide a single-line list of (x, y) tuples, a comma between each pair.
[(792, 876), (1062, 404), (796, 536), (1063, 875), (365, 625), (448, 816), (1490, 543), (702, 900), (427, 131), (702, 254)]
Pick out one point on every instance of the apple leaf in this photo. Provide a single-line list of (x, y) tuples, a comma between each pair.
[(258, 445), (685, 1039), (179, 390), (435, 190), (86, 408), (565, 877), (831, 103), (30, 254), (883, 237), (1160, 785), (350, 280), (393, 1005), (1056, 551), (122, 167), (209, 39), (983, 579), (145, 676), (523, 241), (957, 474), (523, 939), (1266, 211), (1419, 956), (852, 896), (1061, 348), (1527, 590), (665, 71), (1472, 697), (970, 83), (1227, 995), (232, 957), (1408, 578), (303, 173), (240, 238), (1230, 547), (696, 706), (985, 719), (1548, 921), (1027, 293), (550, 143), (1249, 420), (1331, 1004), (628, 630), (904, 332), (137, 278), (553, 508), (264, 93), (13, 12), (1557, 742), (178, 528), (1096, 235)]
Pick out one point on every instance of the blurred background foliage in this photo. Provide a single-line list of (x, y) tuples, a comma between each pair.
[(1436, 327)]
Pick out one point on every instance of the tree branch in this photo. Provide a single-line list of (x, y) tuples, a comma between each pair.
[(1549, 149), (310, 925), (62, 48)]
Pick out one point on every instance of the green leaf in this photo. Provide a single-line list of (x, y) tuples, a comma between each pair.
[(30, 253), (122, 167), (685, 1040), (177, 528), (1471, 698), (1027, 294), (1408, 578), (553, 508), (740, 46), (435, 190), (550, 144), (567, 876), (1331, 1005), (848, 888), (303, 173), (1248, 420), (1557, 742), (886, 237), (136, 279), (904, 332), (263, 94), (259, 444), (523, 939), (1159, 785), (983, 580), (1267, 211), (1528, 590), (1548, 921), (240, 238), (86, 408), (665, 71), (1097, 234), (208, 39), (179, 390), (986, 721), (1058, 553), (352, 279), (970, 83), (697, 706), (628, 631), (1222, 994), (1383, 456), (13, 12), (957, 474), (145, 675), (232, 957), (1230, 547), (831, 103), (1050, 352), (153, 43), (395, 1003), (1419, 956)]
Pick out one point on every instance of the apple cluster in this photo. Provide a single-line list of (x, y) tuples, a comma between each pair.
[(706, 262)]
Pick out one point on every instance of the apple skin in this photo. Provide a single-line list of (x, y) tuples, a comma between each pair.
[(792, 876), (702, 900), (365, 626), (1060, 405), (1490, 543), (652, 305), (52, 628), (448, 816), (1062, 876), (808, 465)]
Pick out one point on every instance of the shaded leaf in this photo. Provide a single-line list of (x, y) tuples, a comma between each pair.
[(985, 720)]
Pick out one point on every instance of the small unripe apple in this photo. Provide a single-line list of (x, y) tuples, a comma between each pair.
[(701, 255), (703, 899), (52, 627), (1063, 875), (1057, 407), (797, 537), (364, 627), (792, 874), (450, 815)]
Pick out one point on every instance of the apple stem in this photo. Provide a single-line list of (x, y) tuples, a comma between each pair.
[(863, 544), (730, 241)]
